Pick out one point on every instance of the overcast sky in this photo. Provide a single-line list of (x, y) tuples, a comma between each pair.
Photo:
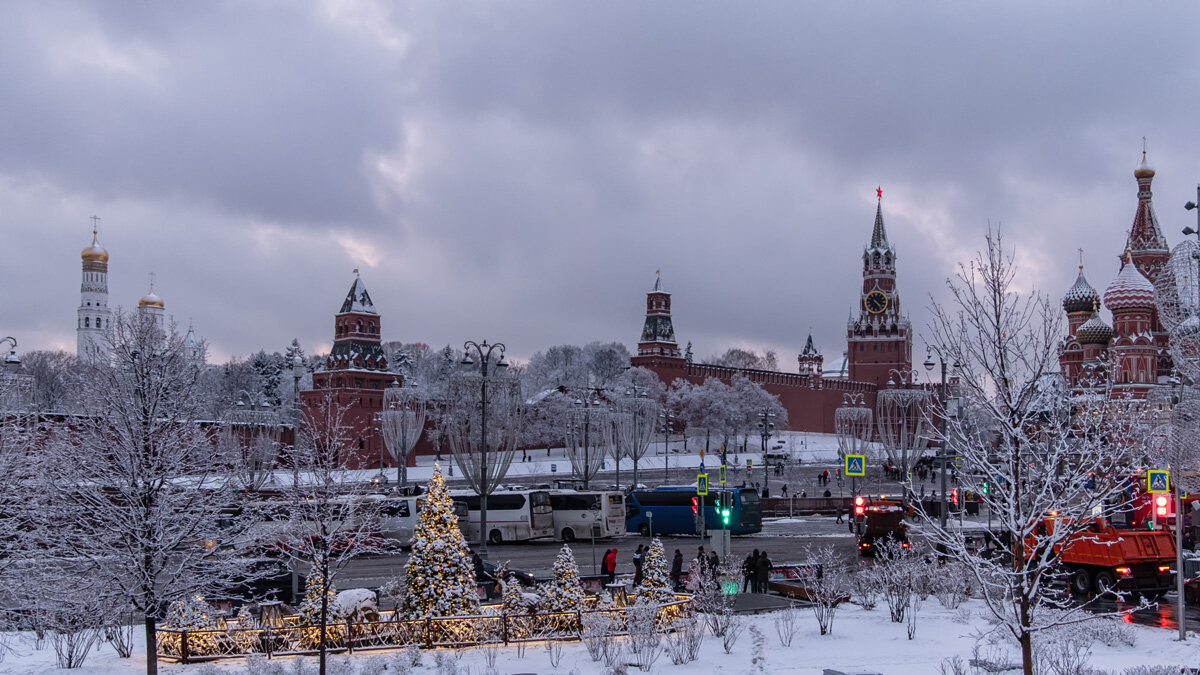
[(517, 171)]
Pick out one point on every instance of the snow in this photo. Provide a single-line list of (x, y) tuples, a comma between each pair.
[(861, 640)]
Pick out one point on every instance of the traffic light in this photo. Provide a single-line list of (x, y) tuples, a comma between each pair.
[(954, 496), (983, 487), (860, 506), (695, 505), (1160, 506)]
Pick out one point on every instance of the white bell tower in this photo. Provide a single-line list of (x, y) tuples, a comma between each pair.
[(93, 314)]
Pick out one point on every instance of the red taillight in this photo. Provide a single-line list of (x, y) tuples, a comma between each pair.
[(1164, 568), (1162, 511), (1124, 571)]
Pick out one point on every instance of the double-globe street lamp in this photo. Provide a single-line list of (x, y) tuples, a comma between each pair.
[(470, 424)]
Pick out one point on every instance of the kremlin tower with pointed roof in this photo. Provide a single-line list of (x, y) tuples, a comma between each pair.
[(1134, 347), (355, 375), (879, 340)]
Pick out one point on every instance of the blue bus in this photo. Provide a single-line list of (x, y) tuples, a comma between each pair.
[(673, 510)]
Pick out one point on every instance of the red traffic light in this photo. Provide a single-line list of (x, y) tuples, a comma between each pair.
[(954, 495), (1160, 500), (695, 506)]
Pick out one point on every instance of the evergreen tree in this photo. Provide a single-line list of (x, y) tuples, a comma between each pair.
[(293, 351), (655, 582), (320, 599), (439, 576), (687, 353), (565, 593)]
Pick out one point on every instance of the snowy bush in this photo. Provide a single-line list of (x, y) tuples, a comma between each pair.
[(865, 586), (785, 625), (597, 634), (828, 588), (1154, 670), (951, 585), (897, 567), (357, 605), (645, 642), (684, 640), (732, 629)]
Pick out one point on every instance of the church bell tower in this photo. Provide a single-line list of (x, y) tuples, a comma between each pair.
[(880, 338)]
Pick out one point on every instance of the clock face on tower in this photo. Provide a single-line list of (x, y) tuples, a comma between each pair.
[(875, 302)]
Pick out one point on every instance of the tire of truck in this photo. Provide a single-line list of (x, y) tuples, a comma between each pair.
[(568, 534), (496, 537), (1081, 581), (1105, 582)]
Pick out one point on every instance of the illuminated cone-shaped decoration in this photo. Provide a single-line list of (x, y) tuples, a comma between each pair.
[(439, 578)]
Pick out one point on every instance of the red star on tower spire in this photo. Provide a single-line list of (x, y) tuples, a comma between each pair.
[(879, 193)]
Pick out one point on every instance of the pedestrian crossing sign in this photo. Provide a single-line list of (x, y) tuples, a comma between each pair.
[(749, 463), (721, 474), (1158, 481), (856, 465), (701, 484)]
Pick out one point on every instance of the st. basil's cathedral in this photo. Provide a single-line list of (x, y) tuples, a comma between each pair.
[(1134, 347)]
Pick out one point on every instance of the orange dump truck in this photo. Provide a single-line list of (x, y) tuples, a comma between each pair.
[(1104, 557)]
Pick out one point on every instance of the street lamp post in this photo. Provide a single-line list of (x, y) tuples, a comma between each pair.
[(943, 450), (668, 420), (901, 415), (766, 427), (484, 351)]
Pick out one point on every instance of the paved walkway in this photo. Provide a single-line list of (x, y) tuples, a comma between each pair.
[(757, 603)]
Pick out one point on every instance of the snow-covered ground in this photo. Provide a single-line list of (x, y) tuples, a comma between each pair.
[(861, 641)]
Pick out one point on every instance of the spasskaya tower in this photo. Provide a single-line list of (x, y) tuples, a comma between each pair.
[(880, 338)]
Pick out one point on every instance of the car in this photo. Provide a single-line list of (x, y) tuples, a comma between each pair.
[(266, 579), (1191, 591), (523, 577)]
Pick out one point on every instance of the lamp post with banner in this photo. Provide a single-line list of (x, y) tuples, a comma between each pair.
[(902, 416)]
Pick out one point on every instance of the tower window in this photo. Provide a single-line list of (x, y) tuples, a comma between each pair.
[(87, 322)]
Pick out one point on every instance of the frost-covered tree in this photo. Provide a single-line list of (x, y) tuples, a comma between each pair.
[(50, 372), (331, 523), (439, 578), (1049, 450), (133, 484), (564, 593), (656, 584)]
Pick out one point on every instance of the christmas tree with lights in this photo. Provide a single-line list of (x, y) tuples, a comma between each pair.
[(439, 579), (655, 583), (565, 593)]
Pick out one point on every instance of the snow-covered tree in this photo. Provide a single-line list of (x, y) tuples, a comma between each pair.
[(564, 593), (439, 578), (656, 584), (133, 484), (1049, 451), (331, 524), (319, 609), (50, 372)]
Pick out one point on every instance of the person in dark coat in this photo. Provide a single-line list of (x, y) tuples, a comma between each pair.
[(610, 566), (638, 557), (676, 569), (764, 572), (749, 572), (477, 564), (714, 563)]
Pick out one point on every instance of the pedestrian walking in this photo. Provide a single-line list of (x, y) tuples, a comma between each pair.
[(785, 490), (839, 513), (804, 494), (749, 571), (610, 566), (714, 565), (827, 494), (676, 569)]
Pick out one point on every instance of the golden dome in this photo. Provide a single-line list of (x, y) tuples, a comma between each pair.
[(95, 252), (1144, 169), (151, 300)]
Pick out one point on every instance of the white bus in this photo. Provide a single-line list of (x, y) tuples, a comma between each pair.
[(581, 514), (398, 516), (513, 515)]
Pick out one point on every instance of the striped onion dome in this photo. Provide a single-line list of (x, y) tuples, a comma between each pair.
[(1081, 297), (1094, 331), (1130, 290)]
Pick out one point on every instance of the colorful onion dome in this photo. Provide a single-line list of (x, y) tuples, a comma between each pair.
[(1081, 297), (1094, 331), (1130, 290)]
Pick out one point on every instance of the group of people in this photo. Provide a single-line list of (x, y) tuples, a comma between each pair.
[(704, 564), (756, 572)]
